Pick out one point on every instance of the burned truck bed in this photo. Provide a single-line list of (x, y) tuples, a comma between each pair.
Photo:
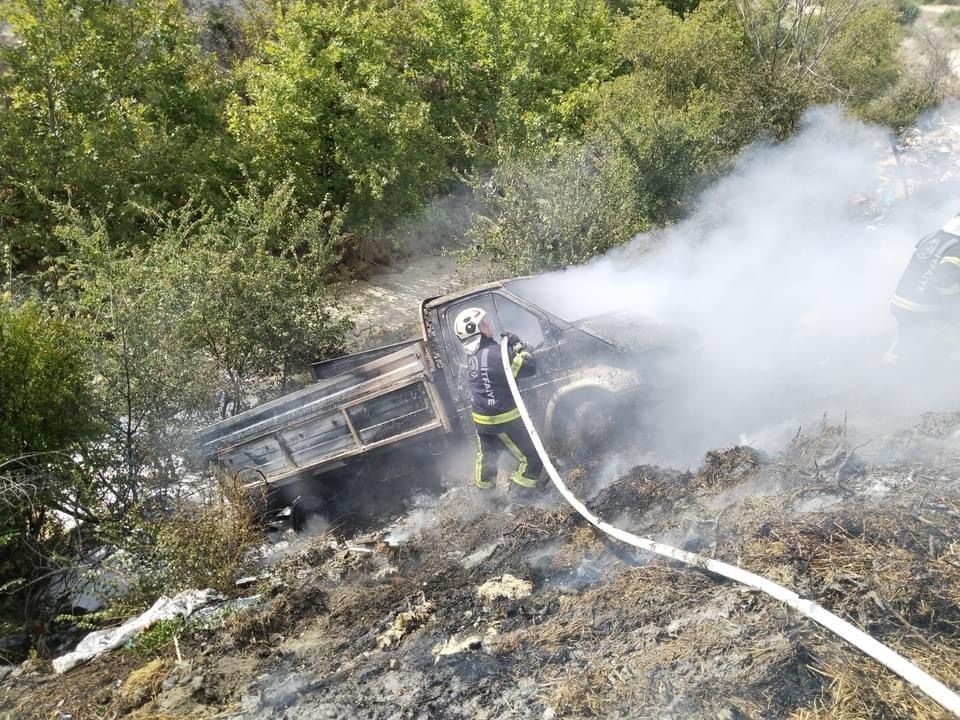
[(382, 402)]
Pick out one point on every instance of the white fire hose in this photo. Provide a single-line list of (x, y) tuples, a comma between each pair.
[(930, 686)]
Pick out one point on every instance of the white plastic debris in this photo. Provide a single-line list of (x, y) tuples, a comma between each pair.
[(101, 641)]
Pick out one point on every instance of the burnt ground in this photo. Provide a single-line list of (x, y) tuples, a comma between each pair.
[(391, 625)]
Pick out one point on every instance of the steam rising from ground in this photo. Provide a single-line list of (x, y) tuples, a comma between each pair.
[(784, 276)]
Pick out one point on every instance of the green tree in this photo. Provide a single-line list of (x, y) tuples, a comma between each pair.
[(556, 213), (497, 73), (150, 383), (47, 416), (221, 303), (325, 100), (683, 106), (590, 198), (255, 288), (819, 53), (45, 406), (98, 423), (700, 68), (110, 105), (861, 61), (690, 92)]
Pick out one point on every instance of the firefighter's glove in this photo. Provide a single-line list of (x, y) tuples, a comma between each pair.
[(515, 343)]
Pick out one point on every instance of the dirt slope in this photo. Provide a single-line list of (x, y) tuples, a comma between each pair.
[(391, 625)]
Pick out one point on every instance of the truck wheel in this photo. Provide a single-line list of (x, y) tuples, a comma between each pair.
[(303, 507), (587, 424)]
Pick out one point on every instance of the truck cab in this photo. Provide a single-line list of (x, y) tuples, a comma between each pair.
[(575, 365)]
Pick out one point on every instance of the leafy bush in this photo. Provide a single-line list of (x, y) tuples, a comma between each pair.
[(155, 639), (106, 405), (47, 414), (379, 105), (696, 89), (112, 106), (42, 358), (497, 73), (548, 215), (653, 131), (907, 11), (902, 104), (268, 253), (326, 100), (194, 545), (861, 59), (172, 323)]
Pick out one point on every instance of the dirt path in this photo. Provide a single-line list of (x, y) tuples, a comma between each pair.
[(385, 305)]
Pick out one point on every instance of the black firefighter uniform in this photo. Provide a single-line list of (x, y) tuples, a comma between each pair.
[(928, 293), (495, 414)]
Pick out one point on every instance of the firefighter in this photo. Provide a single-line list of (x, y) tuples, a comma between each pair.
[(495, 414), (926, 302)]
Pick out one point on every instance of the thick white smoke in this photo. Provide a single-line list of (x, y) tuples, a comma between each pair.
[(784, 275)]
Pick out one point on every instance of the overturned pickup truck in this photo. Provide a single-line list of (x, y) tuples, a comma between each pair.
[(377, 416)]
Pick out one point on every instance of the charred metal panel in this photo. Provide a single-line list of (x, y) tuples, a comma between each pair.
[(264, 454), (383, 401), (331, 368), (395, 413)]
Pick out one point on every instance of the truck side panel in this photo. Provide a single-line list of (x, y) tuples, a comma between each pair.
[(338, 366), (385, 401)]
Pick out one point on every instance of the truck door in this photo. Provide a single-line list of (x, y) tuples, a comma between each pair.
[(507, 314)]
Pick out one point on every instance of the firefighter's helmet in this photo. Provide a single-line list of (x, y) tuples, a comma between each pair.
[(467, 327)]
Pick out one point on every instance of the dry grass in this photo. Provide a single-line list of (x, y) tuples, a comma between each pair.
[(280, 615), (888, 563), (585, 691), (894, 571), (583, 545), (250, 627), (883, 559), (860, 689), (722, 469), (506, 643), (578, 481), (143, 683), (628, 600), (822, 448), (198, 545)]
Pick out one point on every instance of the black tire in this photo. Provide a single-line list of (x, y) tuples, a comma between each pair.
[(303, 507), (586, 424)]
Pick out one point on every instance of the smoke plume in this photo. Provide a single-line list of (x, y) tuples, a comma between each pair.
[(783, 277)]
